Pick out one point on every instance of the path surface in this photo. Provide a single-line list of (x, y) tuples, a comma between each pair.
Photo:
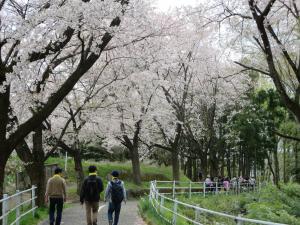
[(76, 215)]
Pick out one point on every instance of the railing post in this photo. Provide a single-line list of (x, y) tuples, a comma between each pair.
[(174, 219), (156, 196), (162, 201), (239, 222), (4, 209), (174, 186), (197, 214), (33, 199), (18, 202), (204, 189), (150, 190), (155, 192), (190, 190), (217, 188)]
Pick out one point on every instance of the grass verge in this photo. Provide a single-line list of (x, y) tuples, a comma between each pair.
[(29, 219), (149, 173), (270, 204), (149, 214)]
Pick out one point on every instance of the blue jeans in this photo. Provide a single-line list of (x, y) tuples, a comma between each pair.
[(55, 203), (114, 208)]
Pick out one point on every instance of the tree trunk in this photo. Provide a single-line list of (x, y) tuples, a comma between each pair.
[(182, 164), (204, 168), (3, 161), (247, 166), (189, 166), (78, 169), (276, 165), (195, 170), (228, 165), (5, 149), (136, 169), (2, 169), (240, 171), (271, 169), (297, 167), (222, 170), (175, 165), (244, 171), (284, 163), (214, 162), (34, 164), (234, 165), (255, 164), (37, 175)]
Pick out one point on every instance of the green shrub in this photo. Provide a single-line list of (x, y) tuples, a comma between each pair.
[(271, 204)]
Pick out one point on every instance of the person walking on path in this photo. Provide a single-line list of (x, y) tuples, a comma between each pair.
[(90, 195), (115, 193), (56, 193)]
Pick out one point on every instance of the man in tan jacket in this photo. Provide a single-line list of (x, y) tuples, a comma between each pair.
[(56, 193)]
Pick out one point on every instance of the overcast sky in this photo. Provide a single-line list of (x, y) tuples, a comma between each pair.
[(166, 4)]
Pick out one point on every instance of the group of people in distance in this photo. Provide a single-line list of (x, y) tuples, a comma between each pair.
[(225, 183), (91, 189)]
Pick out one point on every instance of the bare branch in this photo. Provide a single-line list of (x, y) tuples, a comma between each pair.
[(2, 4), (286, 136), (252, 68), (268, 8)]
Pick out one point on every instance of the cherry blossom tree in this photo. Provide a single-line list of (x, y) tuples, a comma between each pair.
[(266, 37), (196, 80), (46, 47)]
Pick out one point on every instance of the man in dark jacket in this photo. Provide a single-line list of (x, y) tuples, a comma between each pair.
[(90, 195), (115, 193)]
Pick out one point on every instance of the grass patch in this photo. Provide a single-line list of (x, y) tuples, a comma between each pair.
[(149, 214), (271, 204), (40, 214), (149, 172)]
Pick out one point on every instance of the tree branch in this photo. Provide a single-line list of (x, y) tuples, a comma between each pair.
[(252, 68), (53, 101), (268, 8), (286, 136)]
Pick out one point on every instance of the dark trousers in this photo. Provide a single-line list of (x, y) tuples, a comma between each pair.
[(114, 208), (55, 203)]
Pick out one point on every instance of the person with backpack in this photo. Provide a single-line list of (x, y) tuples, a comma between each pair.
[(115, 193), (56, 193), (90, 195)]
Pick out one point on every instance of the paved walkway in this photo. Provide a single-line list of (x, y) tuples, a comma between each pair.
[(76, 215)]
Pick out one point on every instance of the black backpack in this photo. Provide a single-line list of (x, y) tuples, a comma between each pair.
[(117, 194), (91, 189)]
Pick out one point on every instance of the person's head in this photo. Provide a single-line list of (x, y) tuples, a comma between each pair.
[(115, 174), (57, 170), (92, 169)]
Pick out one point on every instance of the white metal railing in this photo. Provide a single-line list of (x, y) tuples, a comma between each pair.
[(204, 188), (18, 204), (158, 200)]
